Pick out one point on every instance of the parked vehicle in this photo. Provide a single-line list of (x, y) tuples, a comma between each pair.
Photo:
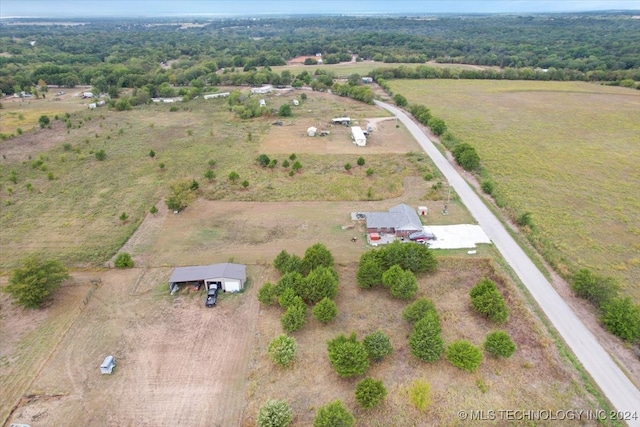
[(212, 297), (422, 236)]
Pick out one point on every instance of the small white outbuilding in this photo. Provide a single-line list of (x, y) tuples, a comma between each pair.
[(108, 364), (312, 131)]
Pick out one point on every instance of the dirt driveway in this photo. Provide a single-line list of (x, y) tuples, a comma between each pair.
[(178, 362)]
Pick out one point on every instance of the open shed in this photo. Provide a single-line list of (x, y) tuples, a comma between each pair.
[(228, 277)]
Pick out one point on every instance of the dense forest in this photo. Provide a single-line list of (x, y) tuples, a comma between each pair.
[(115, 53)]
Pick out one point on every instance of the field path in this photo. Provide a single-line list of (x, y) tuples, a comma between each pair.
[(620, 391)]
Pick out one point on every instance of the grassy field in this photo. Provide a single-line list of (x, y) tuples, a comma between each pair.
[(565, 151), (57, 198)]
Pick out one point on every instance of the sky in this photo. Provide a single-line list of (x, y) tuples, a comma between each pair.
[(140, 8)]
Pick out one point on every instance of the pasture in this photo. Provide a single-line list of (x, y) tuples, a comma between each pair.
[(565, 151)]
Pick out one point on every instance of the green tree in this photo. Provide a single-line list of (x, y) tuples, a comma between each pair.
[(288, 298), (152, 154), (292, 280), (245, 184), (333, 414), (101, 155), (44, 121), (348, 356), (425, 340), (286, 263), (378, 345), (35, 281), (487, 300), (181, 194), (415, 258), (370, 270), (316, 256), (320, 283), (282, 350), (266, 294), (464, 355), (621, 317), (209, 174), (420, 394), (466, 156), (123, 260), (285, 110), (275, 413), (325, 310), (296, 166), (285, 164), (263, 160), (370, 392), (418, 309), (438, 126), (294, 317), (153, 210), (124, 217), (595, 289), (402, 284), (499, 344), (233, 177), (400, 100), (360, 161), (347, 167)]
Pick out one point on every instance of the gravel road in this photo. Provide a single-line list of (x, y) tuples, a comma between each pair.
[(615, 385)]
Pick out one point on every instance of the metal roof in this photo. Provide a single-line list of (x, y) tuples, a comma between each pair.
[(194, 273), (399, 217)]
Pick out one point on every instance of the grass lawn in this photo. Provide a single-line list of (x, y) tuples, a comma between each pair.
[(565, 151)]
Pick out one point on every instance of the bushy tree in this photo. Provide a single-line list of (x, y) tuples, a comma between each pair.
[(464, 355), (348, 356), (370, 392), (286, 263), (360, 161), (35, 281), (325, 310), (402, 284), (417, 310), (282, 350), (438, 126), (263, 160), (378, 345), (316, 256), (233, 177), (415, 258), (400, 100), (285, 110), (370, 270), (466, 156), (294, 317), (100, 155), (275, 413), (499, 344), (333, 414), (287, 298), (420, 394), (487, 300), (595, 289), (293, 280), (266, 293), (621, 317), (44, 121), (320, 283), (425, 340), (124, 260)]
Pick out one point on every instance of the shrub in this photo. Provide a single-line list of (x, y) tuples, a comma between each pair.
[(263, 160), (325, 310), (181, 194), (124, 260), (348, 357), (44, 121), (499, 344), (595, 289), (209, 174), (400, 100), (321, 283), (378, 345), (487, 300), (360, 161), (370, 392), (466, 156), (294, 317), (417, 310), (487, 186), (415, 258), (100, 155), (35, 281), (245, 184), (286, 263), (287, 298), (402, 284), (464, 355), (316, 256), (525, 220), (347, 167), (152, 154), (369, 270), (275, 413), (333, 414), (285, 164), (425, 340), (293, 280), (622, 318), (233, 177), (438, 126), (266, 294), (285, 110), (153, 210), (282, 350), (369, 172), (420, 394)]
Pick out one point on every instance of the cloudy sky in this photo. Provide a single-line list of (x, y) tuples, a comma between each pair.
[(137, 8)]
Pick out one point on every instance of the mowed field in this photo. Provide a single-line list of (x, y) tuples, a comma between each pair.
[(565, 151)]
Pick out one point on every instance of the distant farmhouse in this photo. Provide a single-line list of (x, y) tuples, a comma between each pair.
[(217, 95), (400, 221), (262, 90)]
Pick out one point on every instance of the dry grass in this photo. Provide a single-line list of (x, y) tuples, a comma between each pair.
[(311, 382), (566, 152)]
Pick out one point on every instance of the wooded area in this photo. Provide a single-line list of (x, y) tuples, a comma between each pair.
[(116, 53)]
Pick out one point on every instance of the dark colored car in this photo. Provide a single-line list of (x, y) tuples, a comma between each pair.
[(212, 297)]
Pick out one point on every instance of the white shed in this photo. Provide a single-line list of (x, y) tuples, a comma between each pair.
[(263, 103), (358, 136), (108, 364), (312, 131)]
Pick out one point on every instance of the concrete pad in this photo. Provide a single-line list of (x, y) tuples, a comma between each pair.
[(456, 236)]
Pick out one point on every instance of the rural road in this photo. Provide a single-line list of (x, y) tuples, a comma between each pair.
[(616, 386)]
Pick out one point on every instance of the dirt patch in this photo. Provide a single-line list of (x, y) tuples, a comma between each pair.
[(178, 362)]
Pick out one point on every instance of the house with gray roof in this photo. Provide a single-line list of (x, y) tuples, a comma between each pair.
[(226, 277), (400, 220)]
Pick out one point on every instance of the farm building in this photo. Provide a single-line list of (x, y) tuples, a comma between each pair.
[(312, 131), (263, 89), (228, 277), (108, 364), (358, 136), (341, 121), (400, 220), (217, 95)]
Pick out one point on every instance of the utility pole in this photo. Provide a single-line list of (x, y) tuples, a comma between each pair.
[(445, 211)]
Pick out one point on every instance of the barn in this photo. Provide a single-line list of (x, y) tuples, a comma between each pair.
[(227, 277)]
